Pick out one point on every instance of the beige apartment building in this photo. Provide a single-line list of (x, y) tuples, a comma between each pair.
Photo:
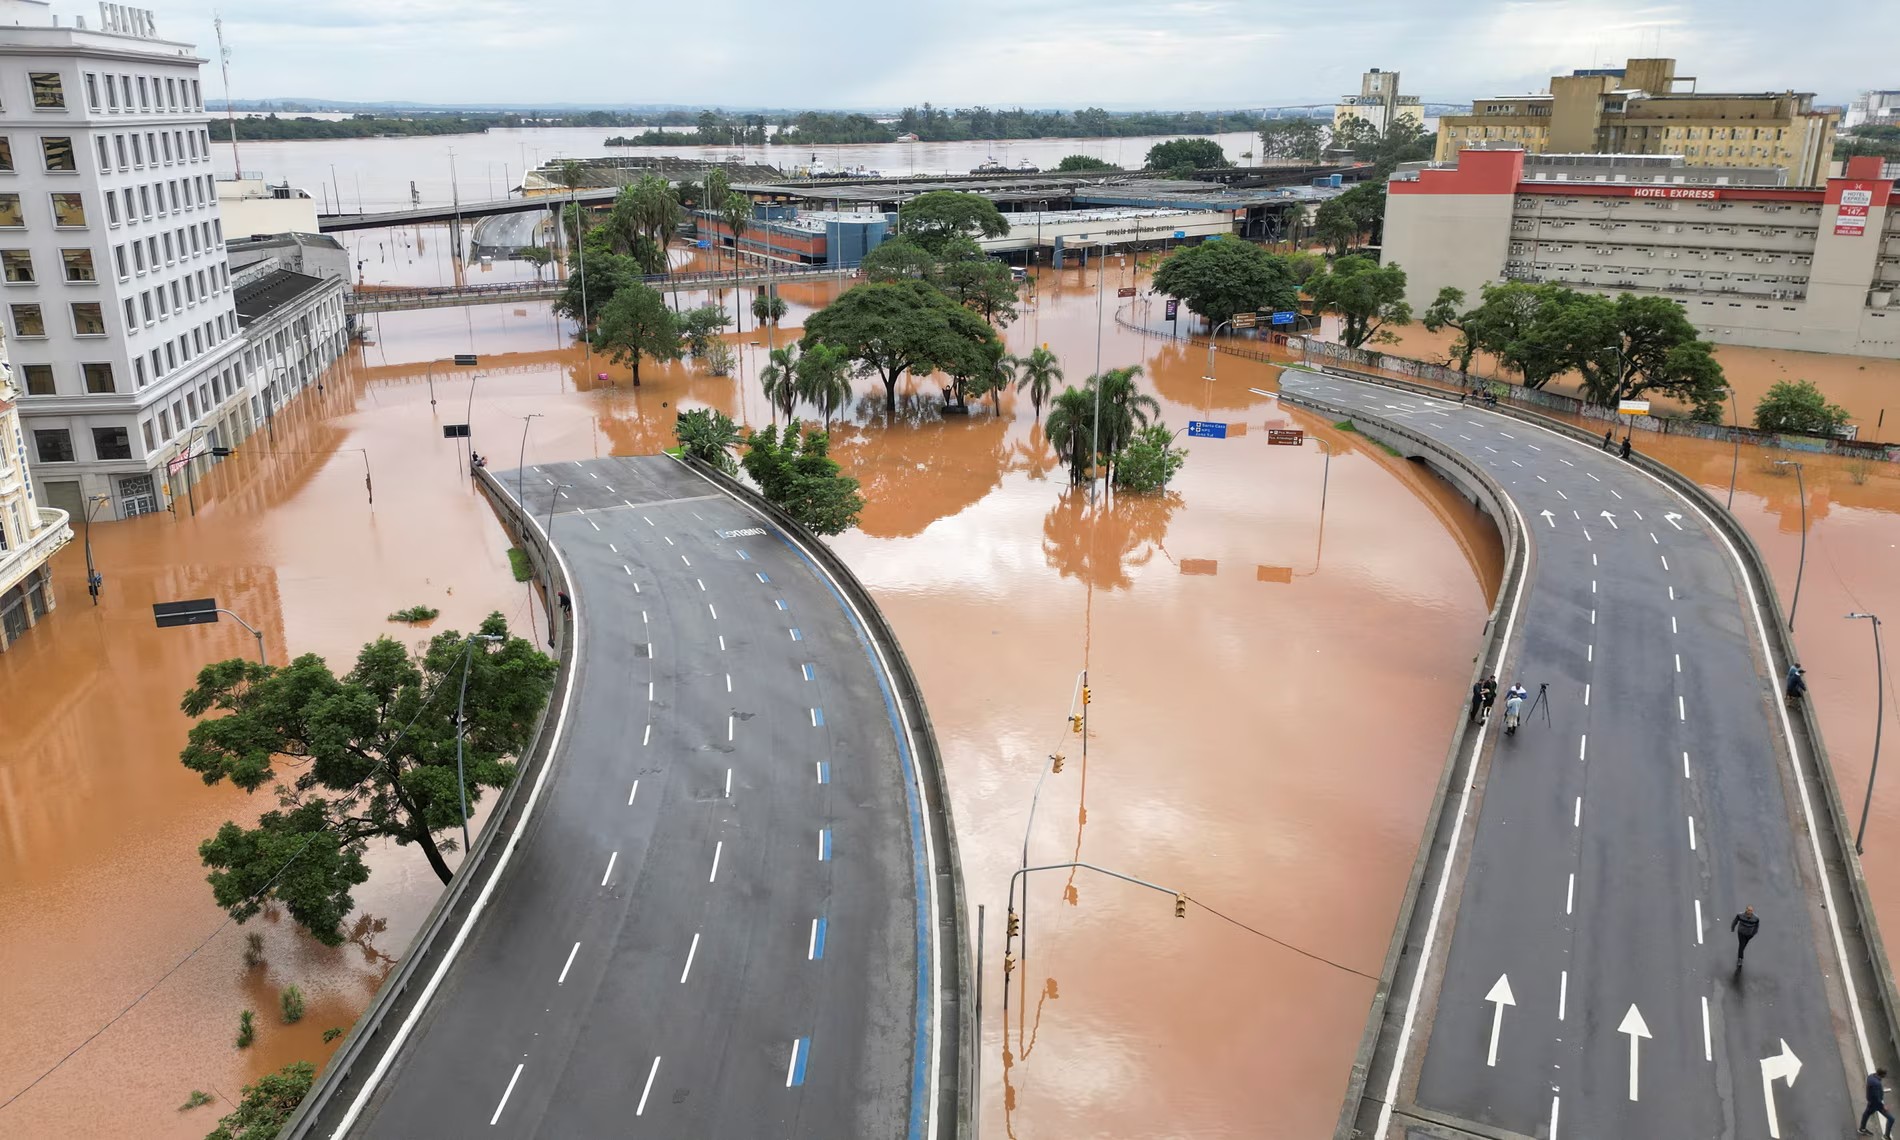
[(1812, 268), (1639, 108), (1379, 103)]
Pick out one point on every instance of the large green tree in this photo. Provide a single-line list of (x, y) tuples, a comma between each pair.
[(890, 328), (1217, 279), (1524, 326), (1447, 311), (1368, 297), (1302, 139), (1186, 154), (935, 219), (592, 282), (1798, 406), (1070, 429), (1635, 345), (1125, 408), (267, 1104), (796, 471), (823, 379), (365, 756), (1083, 164), (709, 436), (1342, 220), (637, 323)]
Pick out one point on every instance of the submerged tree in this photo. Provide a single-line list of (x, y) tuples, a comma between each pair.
[(1037, 374), (708, 436)]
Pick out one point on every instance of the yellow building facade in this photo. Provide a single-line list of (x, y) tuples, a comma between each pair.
[(1638, 109)]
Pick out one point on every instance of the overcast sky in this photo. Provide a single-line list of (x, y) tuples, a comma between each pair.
[(1070, 53)]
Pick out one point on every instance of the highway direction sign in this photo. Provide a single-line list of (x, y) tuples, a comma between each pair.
[(198, 611), (1285, 437), (1206, 429), (1284, 318)]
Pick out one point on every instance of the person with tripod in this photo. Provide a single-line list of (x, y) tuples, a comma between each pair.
[(1513, 708)]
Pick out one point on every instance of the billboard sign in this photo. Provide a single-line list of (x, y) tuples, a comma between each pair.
[(1851, 219)]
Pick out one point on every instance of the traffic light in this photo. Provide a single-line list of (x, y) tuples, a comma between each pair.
[(1058, 758), (1009, 964), (94, 581), (1180, 906), (1075, 722), (1087, 694), (1014, 927)]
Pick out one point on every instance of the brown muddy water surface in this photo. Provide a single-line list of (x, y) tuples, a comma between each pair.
[(1235, 637)]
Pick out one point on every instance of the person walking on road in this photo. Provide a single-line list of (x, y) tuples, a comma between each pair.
[(1796, 685), (1876, 1102), (1488, 693), (1513, 709), (1744, 925), (1477, 701), (1625, 452), (1608, 437)]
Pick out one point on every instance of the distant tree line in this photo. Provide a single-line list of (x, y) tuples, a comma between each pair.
[(933, 124), (356, 127), (1881, 140)]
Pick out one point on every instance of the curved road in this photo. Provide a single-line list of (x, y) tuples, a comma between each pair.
[(1646, 801), (716, 925)]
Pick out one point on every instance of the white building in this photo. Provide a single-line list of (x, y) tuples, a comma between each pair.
[(1873, 108), (29, 533), (250, 205), (1379, 103), (117, 294)]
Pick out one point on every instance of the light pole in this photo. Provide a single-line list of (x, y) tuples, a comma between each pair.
[(1210, 348), (1095, 435), (555, 493), (1880, 714), (93, 578), (1735, 459), (461, 785), (1801, 492), (468, 417), (521, 460)]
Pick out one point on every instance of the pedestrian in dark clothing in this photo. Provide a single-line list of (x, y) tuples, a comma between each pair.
[(1489, 692), (1477, 700), (1608, 437), (1625, 453), (1876, 1102), (1744, 925), (1796, 684), (567, 603)]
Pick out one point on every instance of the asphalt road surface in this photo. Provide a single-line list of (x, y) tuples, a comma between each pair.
[(712, 927), (1591, 986)]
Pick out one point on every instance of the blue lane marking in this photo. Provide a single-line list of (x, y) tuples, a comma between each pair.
[(745, 556), (797, 636), (780, 603), (824, 845), (817, 718), (818, 943), (920, 878), (824, 772), (763, 578), (801, 1053), (811, 674)]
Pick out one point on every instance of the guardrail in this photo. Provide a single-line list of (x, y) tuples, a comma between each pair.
[(957, 1074), (349, 1067), (1435, 845), (371, 299), (1873, 972)]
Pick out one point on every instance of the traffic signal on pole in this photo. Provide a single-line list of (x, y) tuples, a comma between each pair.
[(1087, 694), (1058, 758), (1180, 906), (1075, 722), (1009, 964), (1014, 927)]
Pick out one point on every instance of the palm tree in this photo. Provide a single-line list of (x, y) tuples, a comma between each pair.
[(715, 201), (1124, 407), (656, 212), (823, 378), (708, 436), (779, 378), (737, 214), (1071, 429), (1038, 373)]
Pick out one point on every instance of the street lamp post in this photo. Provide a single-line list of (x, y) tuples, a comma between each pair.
[(1801, 491), (1210, 348), (521, 460), (554, 493), (1880, 714), (93, 579), (461, 701), (1735, 458)]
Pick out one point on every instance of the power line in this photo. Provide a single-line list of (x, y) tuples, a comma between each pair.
[(1321, 958)]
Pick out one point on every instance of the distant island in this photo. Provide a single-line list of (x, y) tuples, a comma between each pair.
[(933, 124)]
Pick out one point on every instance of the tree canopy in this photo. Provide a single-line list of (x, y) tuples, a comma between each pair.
[(1217, 279), (374, 757), (1189, 154), (637, 323), (709, 436), (936, 219), (1799, 407), (1522, 325), (890, 328), (1341, 221), (1634, 345), (796, 471), (1368, 297), (1301, 138), (267, 1104), (1083, 164)]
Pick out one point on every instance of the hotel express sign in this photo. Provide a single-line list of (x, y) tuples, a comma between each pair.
[(1704, 193)]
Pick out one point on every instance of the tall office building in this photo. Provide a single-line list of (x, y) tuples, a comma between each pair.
[(1644, 108), (1873, 109), (118, 300), (1379, 103)]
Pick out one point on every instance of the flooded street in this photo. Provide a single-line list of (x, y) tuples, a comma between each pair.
[(1234, 635)]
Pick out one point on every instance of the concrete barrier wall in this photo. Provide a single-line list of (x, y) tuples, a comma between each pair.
[(958, 1075), (350, 1066)]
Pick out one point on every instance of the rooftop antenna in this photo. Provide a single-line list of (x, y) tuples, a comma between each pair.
[(224, 65)]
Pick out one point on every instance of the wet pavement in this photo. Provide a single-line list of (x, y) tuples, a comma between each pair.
[(1235, 637)]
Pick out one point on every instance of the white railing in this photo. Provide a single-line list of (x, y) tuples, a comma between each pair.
[(18, 562)]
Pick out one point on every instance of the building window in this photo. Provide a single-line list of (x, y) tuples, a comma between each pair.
[(145, 96), (28, 321), (39, 380), (118, 148), (6, 155), (69, 210), (164, 424), (48, 94), (112, 443), (78, 264), (112, 209), (146, 427), (138, 151), (92, 91), (55, 445), (145, 202), (197, 99), (165, 139), (145, 299), (99, 377), (19, 266), (118, 259), (11, 215), (131, 316), (105, 155), (89, 319)]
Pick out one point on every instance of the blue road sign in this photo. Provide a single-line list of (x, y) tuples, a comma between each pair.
[(1284, 318), (1211, 237), (1206, 429), (1180, 233), (703, 244)]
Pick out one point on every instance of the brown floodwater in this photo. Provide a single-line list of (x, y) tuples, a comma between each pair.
[(1234, 634)]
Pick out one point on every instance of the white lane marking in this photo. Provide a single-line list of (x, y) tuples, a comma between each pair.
[(811, 948), (1593, 559), (550, 482), (613, 548), (1654, 539), (1507, 435), (728, 682), (649, 690), (1665, 560), (1678, 662), (1566, 463), (634, 792), (1692, 833), (728, 783), (1586, 693), (1563, 992), (1561, 495), (791, 1066), (1698, 922), (700, 583), (1672, 620), (1570, 894), (669, 539), (644, 618), (649, 521), (1589, 653), (696, 515), (814, 718), (1583, 745), (593, 474), (505, 1093), (1593, 613), (1515, 463), (1593, 585), (718, 848), (592, 523), (1586, 535), (568, 965), (625, 501), (1682, 710), (1708, 1051), (713, 612), (722, 642), (1576, 813), (636, 585), (1553, 1117), (563, 494), (1541, 479), (1592, 475), (1613, 492), (646, 738), (1576, 514), (1533, 447), (1635, 512), (1462, 435), (729, 724), (641, 1110), (1685, 765), (629, 570), (1490, 449), (690, 951), (610, 868), (688, 561)]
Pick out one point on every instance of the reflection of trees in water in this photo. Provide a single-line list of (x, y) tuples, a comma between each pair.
[(1033, 456), (639, 421), (923, 467), (1127, 530), (1179, 369)]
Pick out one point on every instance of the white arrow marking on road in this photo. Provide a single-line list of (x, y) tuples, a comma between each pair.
[(1500, 996), (1671, 518), (1636, 1027), (1548, 517), (1783, 1066), (1611, 519)]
